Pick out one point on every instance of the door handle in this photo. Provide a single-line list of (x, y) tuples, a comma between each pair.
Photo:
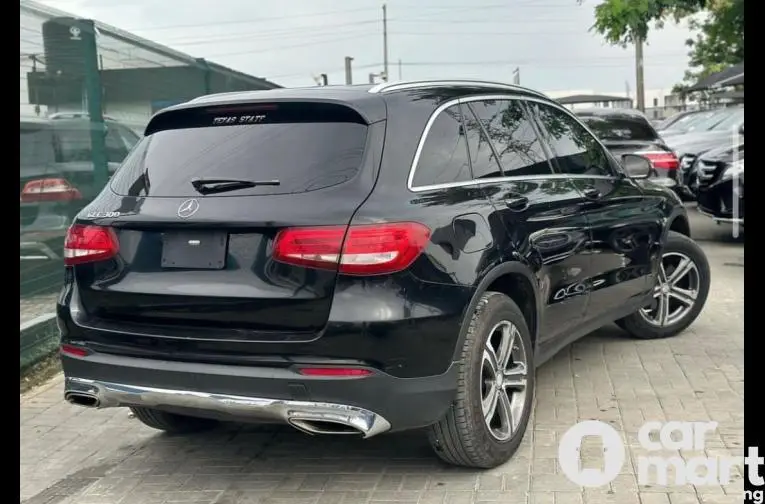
[(516, 202), (591, 192)]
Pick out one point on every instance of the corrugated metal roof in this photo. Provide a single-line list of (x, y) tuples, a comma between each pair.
[(731, 76), (129, 38)]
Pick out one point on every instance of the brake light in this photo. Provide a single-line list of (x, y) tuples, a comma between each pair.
[(369, 249), (84, 244), (74, 351), (662, 160), (335, 372), (49, 189)]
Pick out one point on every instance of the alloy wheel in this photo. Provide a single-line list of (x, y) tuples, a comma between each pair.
[(676, 290), (504, 370)]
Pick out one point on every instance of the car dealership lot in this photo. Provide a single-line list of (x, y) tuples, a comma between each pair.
[(72, 455)]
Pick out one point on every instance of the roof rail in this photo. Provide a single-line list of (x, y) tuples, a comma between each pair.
[(402, 85)]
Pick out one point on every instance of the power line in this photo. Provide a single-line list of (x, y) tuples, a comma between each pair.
[(248, 21)]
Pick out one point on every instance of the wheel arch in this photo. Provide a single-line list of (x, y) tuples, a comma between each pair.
[(516, 281), (680, 224)]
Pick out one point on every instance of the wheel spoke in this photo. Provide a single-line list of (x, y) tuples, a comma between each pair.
[(489, 403), (504, 408), (662, 273), (515, 377), (683, 268), (685, 296), (662, 310), (490, 357), (505, 350)]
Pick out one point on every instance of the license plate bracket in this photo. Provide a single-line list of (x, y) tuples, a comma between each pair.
[(203, 250)]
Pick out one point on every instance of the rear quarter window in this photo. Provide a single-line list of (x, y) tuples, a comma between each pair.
[(304, 151), (620, 128)]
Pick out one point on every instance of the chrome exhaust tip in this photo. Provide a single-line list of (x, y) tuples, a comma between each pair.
[(325, 427), (84, 400)]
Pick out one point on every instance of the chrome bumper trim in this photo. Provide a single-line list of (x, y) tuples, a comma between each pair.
[(111, 395), (722, 220)]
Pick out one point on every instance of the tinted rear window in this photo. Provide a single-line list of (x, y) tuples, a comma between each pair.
[(620, 128), (303, 153), (35, 146)]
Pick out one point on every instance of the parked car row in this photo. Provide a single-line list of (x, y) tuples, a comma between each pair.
[(711, 154), (700, 154)]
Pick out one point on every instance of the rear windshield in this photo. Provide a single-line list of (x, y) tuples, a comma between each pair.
[(303, 155), (620, 128), (36, 146)]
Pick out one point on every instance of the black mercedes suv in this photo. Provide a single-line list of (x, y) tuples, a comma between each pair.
[(365, 259)]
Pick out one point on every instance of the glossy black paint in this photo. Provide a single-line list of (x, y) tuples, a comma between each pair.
[(581, 252), (716, 189)]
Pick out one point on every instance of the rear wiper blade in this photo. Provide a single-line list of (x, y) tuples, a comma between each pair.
[(214, 185)]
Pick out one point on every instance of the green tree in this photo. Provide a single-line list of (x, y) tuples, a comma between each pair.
[(718, 43)]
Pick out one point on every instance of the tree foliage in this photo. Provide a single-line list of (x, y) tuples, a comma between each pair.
[(719, 41)]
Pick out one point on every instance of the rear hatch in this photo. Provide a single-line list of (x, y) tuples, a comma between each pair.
[(625, 134), (196, 260)]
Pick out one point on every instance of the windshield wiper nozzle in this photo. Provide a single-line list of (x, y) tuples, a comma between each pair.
[(218, 185)]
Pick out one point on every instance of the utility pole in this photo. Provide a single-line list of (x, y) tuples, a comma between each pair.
[(348, 70), (517, 76), (399, 70), (639, 84), (385, 42)]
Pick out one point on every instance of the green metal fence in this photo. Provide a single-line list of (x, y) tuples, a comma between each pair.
[(87, 90)]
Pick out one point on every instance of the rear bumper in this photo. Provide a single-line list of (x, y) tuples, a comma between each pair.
[(369, 405)]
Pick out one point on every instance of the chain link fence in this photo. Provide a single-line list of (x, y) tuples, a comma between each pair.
[(87, 90)]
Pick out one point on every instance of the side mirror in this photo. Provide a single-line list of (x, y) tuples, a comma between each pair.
[(741, 129), (637, 167)]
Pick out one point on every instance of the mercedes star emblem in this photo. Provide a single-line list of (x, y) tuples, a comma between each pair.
[(188, 208)]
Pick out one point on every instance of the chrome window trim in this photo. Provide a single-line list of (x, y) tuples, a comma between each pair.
[(468, 183), (386, 87)]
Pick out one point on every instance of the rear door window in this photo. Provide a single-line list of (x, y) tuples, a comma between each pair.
[(516, 142), (304, 148)]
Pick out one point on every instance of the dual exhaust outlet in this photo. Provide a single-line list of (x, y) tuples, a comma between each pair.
[(315, 418)]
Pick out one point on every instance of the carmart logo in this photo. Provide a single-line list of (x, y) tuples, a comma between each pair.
[(688, 436)]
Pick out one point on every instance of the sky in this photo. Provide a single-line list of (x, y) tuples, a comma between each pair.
[(292, 41)]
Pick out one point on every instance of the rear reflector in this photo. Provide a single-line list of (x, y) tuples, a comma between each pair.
[(334, 372), (373, 249), (84, 244), (49, 190), (662, 160), (74, 351)]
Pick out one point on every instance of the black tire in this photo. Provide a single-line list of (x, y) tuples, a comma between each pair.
[(171, 422), (461, 437), (639, 328)]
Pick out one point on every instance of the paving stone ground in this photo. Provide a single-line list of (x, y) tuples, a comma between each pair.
[(71, 455)]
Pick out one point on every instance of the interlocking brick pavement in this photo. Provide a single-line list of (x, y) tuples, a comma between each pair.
[(71, 455)]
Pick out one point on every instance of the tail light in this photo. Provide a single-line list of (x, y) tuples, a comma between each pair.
[(374, 249), (49, 189), (84, 244), (662, 160)]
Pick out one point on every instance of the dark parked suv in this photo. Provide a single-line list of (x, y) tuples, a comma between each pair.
[(362, 260)]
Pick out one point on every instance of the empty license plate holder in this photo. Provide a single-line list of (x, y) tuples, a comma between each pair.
[(194, 250)]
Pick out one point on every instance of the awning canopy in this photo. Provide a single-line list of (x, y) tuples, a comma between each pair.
[(731, 76), (575, 99)]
